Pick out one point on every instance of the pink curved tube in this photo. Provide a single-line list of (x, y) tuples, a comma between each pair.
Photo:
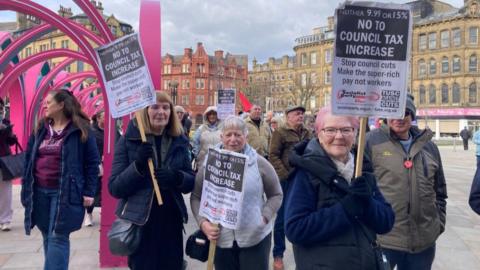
[(73, 77)]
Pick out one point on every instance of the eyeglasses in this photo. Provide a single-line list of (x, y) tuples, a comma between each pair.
[(345, 131)]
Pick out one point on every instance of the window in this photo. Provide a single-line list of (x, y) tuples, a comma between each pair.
[(444, 94), (433, 66), (199, 100), (200, 84), (422, 42), (64, 44), (185, 68), (303, 59), (167, 69), (113, 28), (473, 35), (432, 94), (80, 66), (432, 41), (54, 45), (327, 77), (444, 39), (313, 102), (200, 68), (185, 100), (304, 79), (422, 94), (313, 58), (328, 56), (456, 64), (186, 84), (472, 63), (313, 78), (456, 93), (457, 37), (445, 64), (472, 93), (166, 84), (422, 68)]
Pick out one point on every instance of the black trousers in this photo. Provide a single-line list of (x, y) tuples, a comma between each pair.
[(236, 258), (465, 144)]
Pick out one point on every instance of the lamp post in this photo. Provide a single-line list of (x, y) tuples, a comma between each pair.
[(173, 91)]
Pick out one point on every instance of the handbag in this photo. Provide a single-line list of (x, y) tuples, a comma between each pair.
[(124, 237), (197, 246), (12, 165)]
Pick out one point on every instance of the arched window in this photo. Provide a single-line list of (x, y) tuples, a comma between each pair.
[(445, 64), (472, 93), (422, 68), (472, 63), (433, 66), (444, 94), (432, 94), (422, 94), (456, 66), (455, 93)]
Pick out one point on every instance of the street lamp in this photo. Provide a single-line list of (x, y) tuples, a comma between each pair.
[(173, 91)]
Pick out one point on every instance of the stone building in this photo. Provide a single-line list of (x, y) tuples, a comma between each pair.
[(193, 78)]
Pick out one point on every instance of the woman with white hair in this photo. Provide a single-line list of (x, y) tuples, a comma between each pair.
[(247, 247)]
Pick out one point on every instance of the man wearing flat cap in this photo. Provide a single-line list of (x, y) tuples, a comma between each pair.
[(409, 173), (282, 142)]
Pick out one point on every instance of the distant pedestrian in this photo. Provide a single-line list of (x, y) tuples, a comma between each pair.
[(283, 140), (476, 140), (7, 139), (465, 135), (207, 135), (409, 172), (60, 177)]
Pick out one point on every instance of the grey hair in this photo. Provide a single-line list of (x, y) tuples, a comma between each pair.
[(234, 122)]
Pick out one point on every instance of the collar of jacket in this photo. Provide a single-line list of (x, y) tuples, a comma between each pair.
[(168, 143), (250, 120), (419, 137)]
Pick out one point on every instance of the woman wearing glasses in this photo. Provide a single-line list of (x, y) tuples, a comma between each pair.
[(331, 217)]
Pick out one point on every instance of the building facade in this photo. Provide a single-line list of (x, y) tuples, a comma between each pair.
[(193, 78), (445, 72), (58, 40)]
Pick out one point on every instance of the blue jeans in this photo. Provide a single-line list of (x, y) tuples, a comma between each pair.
[(279, 228), (411, 261), (56, 246)]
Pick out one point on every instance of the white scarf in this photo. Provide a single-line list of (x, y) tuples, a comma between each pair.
[(345, 169)]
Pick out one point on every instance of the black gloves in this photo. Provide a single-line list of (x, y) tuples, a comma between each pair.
[(144, 152), (360, 193), (168, 178)]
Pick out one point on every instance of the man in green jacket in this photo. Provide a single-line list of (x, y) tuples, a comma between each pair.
[(258, 131), (409, 173), (283, 140)]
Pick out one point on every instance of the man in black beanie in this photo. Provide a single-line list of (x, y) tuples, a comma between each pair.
[(409, 173)]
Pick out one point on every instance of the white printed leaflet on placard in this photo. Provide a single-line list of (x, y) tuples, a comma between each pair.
[(222, 192), (371, 60), (226, 103), (125, 75)]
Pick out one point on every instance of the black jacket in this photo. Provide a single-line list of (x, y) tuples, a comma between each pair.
[(135, 190), (323, 234)]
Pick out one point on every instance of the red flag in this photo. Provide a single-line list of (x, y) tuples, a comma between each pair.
[(245, 102)]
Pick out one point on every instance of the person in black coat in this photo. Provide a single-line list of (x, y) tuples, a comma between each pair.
[(332, 217), (161, 245)]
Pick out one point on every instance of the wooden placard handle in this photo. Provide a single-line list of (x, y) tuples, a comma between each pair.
[(211, 251), (361, 146), (150, 162)]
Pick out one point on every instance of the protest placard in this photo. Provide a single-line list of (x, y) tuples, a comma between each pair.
[(226, 103), (371, 60), (222, 192), (126, 76)]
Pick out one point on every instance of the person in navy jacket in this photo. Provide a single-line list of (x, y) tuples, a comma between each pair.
[(60, 177), (161, 245), (331, 217)]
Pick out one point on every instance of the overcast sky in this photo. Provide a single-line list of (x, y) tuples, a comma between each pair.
[(258, 28)]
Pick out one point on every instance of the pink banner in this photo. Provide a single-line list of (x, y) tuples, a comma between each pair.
[(449, 112)]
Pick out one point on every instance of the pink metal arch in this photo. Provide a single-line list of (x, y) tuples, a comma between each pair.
[(95, 18), (23, 65), (73, 77), (45, 82)]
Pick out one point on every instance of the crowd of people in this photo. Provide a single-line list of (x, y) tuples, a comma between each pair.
[(300, 184)]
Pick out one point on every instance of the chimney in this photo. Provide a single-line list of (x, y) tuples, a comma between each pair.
[(285, 60), (330, 22), (254, 62), (219, 54), (199, 45), (65, 12), (187, 52)]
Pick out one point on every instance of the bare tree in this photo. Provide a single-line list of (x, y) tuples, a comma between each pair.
[(304, 88)]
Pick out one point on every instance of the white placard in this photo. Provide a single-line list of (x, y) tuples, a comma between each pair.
[(371, 59), (222, 192), (125, 75), (226, 103)]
